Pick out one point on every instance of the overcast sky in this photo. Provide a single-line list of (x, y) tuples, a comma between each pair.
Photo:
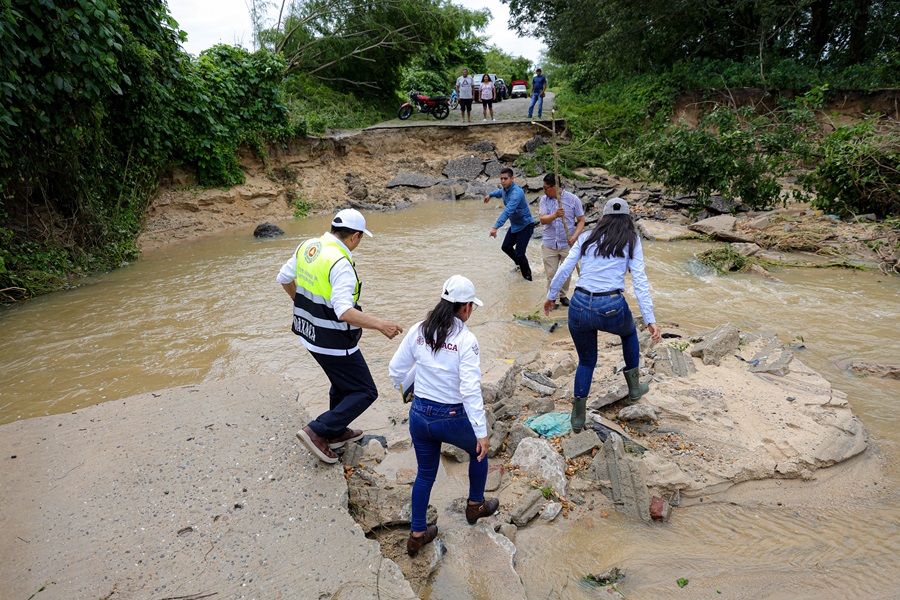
[(210, 22)]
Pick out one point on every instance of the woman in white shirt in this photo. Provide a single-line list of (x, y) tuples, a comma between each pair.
[(487, 97), (607, 252), (447, 405)]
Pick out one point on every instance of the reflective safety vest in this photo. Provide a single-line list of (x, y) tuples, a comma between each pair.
[(314, 316)]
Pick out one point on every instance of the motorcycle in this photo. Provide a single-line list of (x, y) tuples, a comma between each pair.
[(434, 105)]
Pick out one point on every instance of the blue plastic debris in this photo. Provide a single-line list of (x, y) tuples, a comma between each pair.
[(550, 424)]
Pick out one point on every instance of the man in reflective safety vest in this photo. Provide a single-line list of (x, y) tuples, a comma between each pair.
[(322, 280)]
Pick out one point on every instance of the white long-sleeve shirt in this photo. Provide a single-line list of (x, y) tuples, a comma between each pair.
[(599, 274), (343, 284), (450, 376)]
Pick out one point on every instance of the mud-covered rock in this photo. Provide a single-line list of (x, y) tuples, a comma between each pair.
[(267, 230)]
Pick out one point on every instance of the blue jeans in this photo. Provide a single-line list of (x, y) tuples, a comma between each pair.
[(536, 98), (514, 246), (590, 314), (431, 423)]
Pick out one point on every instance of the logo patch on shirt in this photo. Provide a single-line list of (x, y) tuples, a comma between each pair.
[(313, 251), (420, 340), (475, 349)]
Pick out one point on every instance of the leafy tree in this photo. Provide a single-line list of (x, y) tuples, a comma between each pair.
[(506, 66), (364, 44)]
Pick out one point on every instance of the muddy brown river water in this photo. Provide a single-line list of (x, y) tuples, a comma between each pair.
[(210, 308)]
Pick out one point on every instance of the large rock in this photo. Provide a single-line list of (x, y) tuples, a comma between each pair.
[(717, 343), (412, 179), (580, 444), (722, 205), (535, 143), (477, 190), (267, 230), (538, 458), (774, 358), (466, 167)]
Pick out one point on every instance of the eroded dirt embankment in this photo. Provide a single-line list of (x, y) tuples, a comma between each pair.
[(322, 173)]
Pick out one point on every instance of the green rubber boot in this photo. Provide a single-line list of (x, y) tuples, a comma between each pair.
[(578, 407), (636, 389)]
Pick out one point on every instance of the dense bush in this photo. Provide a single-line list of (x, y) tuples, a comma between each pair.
[(857, 171), (315, 107)]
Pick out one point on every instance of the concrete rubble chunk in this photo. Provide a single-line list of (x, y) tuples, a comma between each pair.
[(714, 226), (774, 359), (527, 508), (477, 545), (662, 232), (660, 510), (457, 454), (672, 362), (535, 143), (492, 168), (466, 167), (498, 435), (580, 444), (476, 190), (508, 530), (517, 433), (716, 344), (538, 383), (614, 395), (722, 205), (482, 146), (638, 412), (627, 485), (412, 179), (375, 507), (551, 511), (498, 380), (745, 249), (538, 458)]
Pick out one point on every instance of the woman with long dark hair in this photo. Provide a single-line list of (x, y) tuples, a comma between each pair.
[(447, 405), (607, 252)]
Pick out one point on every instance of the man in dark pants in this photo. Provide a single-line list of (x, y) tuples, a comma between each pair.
[(521, 223), (322, 280)]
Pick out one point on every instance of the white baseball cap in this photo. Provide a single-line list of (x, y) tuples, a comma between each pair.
[(460, 289), (351, 219), (616, 206)]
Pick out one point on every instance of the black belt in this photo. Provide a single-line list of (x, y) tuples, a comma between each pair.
[(611, 293)]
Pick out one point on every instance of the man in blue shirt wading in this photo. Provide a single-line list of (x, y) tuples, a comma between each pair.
[(521, 223), (538, 86)]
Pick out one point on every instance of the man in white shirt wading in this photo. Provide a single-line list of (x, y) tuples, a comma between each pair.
[(322, 280), (556, 243)]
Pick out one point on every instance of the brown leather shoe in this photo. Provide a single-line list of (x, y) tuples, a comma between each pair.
[(484, 509), (413, 544)]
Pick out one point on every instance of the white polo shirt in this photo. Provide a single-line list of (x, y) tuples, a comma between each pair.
[(450, 376)]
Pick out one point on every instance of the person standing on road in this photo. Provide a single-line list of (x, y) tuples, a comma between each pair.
[(538, 87), (321, 278), (447, 406), (487, 97), (465, 88), (608, 252), (521, 223), (556, 243)]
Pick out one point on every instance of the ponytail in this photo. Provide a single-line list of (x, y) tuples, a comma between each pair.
[(440, 323)]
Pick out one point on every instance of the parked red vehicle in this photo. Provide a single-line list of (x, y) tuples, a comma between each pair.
[(519, 88), (439, 106)]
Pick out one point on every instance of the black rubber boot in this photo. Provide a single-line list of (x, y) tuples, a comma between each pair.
[(578, 407), (636, 389)]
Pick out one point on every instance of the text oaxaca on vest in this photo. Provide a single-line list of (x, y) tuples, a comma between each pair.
[(314, 316)]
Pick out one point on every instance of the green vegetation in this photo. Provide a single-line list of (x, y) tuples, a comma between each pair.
[(619, 68), (98, 98)]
